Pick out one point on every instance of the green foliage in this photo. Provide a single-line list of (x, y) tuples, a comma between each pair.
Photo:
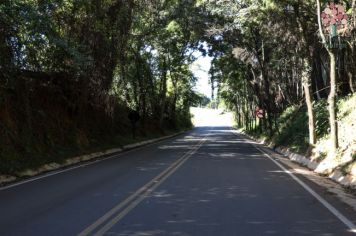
[(293, 125), (322, 118), (199, 100), (294, 129), (72, 70)]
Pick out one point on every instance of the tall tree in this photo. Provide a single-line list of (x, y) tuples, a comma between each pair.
[(333, 84)]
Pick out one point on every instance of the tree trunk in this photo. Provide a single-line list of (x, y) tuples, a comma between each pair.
[(238, 112), (307, 65), (318, 77), (351, 83), (268, 108), (332, 94), (343, 87), (163, 92), (350, 68), (306, 83), (332, 103), (309, 102), (175, 98)]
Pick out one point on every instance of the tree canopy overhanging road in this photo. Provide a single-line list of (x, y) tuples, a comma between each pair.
[(72, 71), (83, 77)]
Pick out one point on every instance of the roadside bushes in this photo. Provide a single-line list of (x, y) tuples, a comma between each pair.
[(42, 121)]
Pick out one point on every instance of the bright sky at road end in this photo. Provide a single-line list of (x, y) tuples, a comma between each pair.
[(204, 117), (200, 69)]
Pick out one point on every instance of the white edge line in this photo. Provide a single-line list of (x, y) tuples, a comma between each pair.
[(87, 163), (326, 204), (56, 172), (332, 209)]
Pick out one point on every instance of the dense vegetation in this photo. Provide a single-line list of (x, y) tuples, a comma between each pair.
[(277, 56), (72, 70)]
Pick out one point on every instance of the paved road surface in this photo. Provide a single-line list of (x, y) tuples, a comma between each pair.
[(205, 182)]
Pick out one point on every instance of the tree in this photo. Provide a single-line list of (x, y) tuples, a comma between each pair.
[(333, 84)]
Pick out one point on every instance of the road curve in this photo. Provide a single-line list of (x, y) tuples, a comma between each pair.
[(206, 182)]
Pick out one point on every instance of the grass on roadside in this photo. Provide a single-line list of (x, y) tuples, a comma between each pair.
[(293, 131)]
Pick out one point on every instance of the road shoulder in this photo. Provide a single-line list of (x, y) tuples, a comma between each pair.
[(327, 185), (7, 181)]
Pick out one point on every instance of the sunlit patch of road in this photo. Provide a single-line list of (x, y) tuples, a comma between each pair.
[(203, 117)]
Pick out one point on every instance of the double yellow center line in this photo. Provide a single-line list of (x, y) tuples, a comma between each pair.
[(112, 217)]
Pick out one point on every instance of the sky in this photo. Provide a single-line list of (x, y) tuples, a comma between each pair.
[(201, 68)]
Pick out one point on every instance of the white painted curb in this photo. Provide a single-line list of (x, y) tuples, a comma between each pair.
[(7, 179), (337, 176)]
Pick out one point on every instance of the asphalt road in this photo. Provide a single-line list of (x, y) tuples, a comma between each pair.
[(206, 182)]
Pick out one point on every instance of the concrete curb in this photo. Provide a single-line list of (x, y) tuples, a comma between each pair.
[(70, 162), (336, 175)]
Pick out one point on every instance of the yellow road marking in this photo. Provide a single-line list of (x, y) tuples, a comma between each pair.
[(132, 201)]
